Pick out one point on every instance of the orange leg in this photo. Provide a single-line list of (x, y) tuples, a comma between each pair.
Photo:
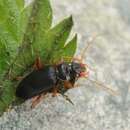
[(38, 64), (68, 85), (37, 99), (55, 92), (18, 78)]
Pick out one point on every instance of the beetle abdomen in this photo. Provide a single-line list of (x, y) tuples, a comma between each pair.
[(37, 82)]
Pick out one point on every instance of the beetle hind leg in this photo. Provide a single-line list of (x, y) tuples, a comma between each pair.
[(36, 100)]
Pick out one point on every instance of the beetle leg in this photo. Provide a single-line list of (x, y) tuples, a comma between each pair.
[(68, 85), (19, 78), (68, 99), (55, 91), (38, 64), (37, 99)]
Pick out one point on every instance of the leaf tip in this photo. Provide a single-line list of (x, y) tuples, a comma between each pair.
[(71, 19)]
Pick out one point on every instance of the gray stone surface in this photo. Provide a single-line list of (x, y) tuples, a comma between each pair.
[(109, 55)]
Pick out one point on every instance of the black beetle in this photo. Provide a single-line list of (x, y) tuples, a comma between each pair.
[(50, 78)]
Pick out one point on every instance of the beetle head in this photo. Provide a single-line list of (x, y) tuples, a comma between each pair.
[(79, 69)]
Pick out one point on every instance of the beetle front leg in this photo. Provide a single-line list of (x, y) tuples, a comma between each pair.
[(38, 64), (19, 78), (68, 85)]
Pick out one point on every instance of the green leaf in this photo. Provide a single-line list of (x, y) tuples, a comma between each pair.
[(40, 21), (54, 39), (70, 48), (12, 30), (20, 4), (24, 22), (3, 57), (8, 45), (14, 19), (42, 16), (67, 52), (4, 52), (7, 95), (10, 22), (62, 31), (8, 92), (3, 107), (23, 61)]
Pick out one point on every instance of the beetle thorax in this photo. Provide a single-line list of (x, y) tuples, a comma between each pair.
[(64, 71), (69, 71)]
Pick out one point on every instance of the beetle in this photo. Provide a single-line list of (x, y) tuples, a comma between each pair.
[(50, 78)]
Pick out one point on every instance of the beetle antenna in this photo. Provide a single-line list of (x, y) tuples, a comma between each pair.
[(106, 88), (89, 42)]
